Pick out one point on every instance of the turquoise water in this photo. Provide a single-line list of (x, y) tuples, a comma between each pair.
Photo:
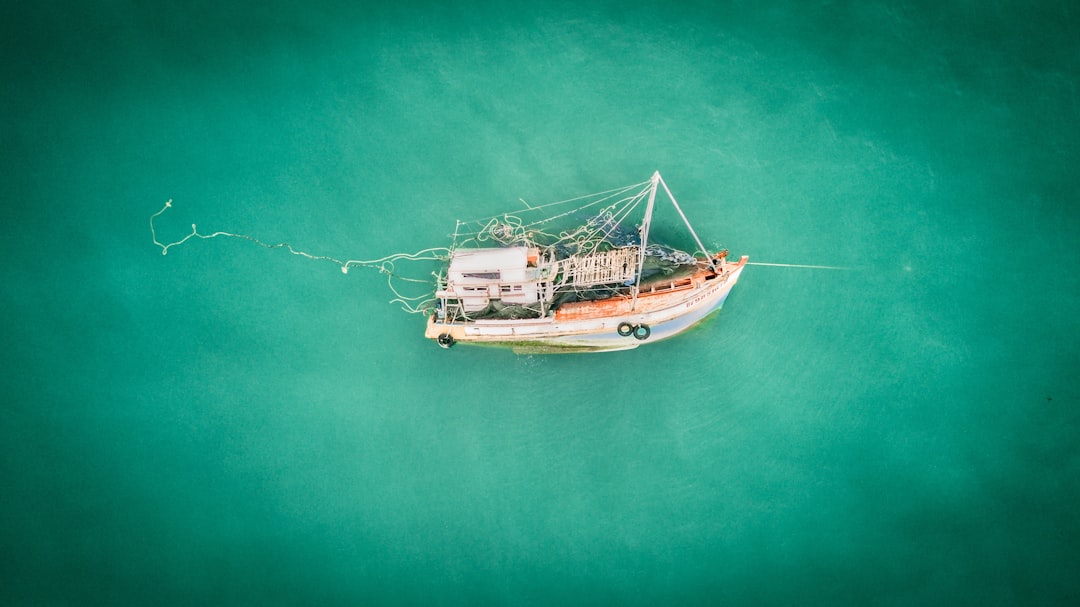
[(232, 425)]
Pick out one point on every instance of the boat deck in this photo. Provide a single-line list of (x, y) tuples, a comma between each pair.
[(654, 295)]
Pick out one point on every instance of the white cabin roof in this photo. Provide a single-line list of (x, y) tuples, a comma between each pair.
[(489, 260)]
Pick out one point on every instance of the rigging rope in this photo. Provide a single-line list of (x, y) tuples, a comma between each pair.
[(584, 237), (599, 231), (607, 194)]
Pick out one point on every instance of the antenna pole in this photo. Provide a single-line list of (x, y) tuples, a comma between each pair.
[(645, 235), (685, 220)]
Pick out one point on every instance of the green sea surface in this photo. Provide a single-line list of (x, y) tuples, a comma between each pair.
[(233, 425)]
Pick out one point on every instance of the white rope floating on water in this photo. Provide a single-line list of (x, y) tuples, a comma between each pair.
[(384, 265)]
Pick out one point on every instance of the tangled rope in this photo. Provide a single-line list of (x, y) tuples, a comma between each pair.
[(602, 228)]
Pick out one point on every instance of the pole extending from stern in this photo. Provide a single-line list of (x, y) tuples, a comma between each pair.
[(645, 223)]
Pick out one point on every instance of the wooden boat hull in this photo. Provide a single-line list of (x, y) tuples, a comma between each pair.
[(594, 326)]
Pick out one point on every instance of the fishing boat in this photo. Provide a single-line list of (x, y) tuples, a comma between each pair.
[(574, 276)]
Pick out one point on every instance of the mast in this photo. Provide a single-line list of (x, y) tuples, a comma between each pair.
[(645, 223)]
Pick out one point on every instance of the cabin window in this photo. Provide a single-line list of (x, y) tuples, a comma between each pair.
[(483, 275)]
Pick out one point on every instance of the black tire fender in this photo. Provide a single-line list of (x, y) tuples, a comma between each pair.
[(642, 332)]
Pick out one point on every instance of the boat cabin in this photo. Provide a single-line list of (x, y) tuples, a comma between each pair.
[(513, 275)]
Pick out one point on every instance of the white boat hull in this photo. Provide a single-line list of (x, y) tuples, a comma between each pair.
[(594, 326)]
